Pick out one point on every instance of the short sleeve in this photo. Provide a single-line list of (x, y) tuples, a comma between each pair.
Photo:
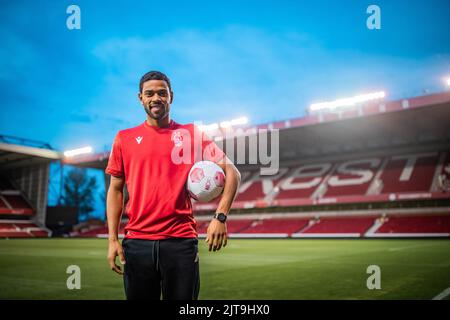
[(115, 162)]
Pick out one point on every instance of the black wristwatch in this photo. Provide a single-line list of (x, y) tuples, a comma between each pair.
[(222, 217)]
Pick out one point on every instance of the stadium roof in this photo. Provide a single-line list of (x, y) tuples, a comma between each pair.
[(95, 161), (423, 120), (403, 123), (18, 152)]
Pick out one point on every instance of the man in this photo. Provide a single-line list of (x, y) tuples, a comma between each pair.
[(160, 249)]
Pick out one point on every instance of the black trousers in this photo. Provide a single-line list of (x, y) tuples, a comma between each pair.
[(169, 267)]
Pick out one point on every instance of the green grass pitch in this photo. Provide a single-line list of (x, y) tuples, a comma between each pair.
[(245, 269)]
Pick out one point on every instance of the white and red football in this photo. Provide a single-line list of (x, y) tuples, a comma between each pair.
[(206, 181)]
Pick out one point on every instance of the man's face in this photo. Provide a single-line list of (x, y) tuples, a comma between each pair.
[(156, 98)]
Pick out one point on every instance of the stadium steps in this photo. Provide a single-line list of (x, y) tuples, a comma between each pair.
[(22, 229), (373, 229), (302, 229)]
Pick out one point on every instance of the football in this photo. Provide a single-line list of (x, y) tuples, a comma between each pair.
[(206, 181)]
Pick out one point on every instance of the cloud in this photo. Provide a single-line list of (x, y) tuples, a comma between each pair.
[(216, 74), (238, 70)]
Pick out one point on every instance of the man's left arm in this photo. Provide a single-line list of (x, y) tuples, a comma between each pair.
[(217, 231)]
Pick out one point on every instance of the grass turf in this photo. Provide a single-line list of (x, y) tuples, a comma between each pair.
[(245, 269)]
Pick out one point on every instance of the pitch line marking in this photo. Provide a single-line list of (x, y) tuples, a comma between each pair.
[(443, 294)]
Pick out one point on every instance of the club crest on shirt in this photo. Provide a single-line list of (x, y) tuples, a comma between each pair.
[(177, 138)]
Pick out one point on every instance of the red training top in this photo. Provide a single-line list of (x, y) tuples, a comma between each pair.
[(155, 163)]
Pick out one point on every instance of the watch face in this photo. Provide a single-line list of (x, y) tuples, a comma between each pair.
[(221, 217)]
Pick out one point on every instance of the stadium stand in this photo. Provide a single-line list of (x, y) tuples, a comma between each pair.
[(21, 229), (17, 203), (24, 172), (345, 181), (276, 226), (316, 225), (89, 230), (354, 226), (14, 203), (423, 225), (233, 226), (337, 169), (12, 200)]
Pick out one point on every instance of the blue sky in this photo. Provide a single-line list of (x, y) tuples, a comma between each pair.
[(267, 60)]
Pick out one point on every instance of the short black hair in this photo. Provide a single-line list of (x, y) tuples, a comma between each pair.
[(154, 75)]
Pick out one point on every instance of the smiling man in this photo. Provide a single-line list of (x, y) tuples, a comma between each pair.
[(160, 249)]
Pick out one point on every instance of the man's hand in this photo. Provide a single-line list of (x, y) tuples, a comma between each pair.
[(114, 250), (216, 235)]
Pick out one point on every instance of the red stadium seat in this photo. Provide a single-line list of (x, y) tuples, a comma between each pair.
[(21, 229), (376, 178), (17, 201), (341, 225), (409, 173), (416, 224), (277, 225)]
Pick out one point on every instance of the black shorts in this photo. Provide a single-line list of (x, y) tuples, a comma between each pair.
[(168, 267)]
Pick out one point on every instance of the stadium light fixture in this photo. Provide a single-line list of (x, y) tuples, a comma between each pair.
[(224, 124), (77, 152), (346, 102), (209, 127), (239, 121), (447, 82), (234, 122)]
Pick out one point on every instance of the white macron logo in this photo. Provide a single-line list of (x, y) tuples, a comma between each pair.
[(139, 139)]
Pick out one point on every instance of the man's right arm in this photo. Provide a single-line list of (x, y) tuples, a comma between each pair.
[(114, 206)]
